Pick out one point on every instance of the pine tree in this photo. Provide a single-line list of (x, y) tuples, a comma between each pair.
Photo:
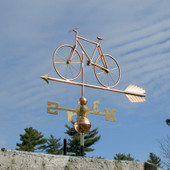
[(53, 146), (32, 140), (120, 156), (90, 138), (168, 122), (154, 159)]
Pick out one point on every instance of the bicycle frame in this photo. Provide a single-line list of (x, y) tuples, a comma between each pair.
[(68, 62), (98, 47)]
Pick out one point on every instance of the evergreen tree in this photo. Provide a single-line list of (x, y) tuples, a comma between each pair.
[(168, 122), (154, 159), (32, 140), (121, 156), (53, 146), (90, 138)]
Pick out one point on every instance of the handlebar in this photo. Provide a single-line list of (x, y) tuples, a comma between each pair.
[(73, 30)]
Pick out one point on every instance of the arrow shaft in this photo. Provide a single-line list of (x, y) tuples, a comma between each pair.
[(96, 87), (98, 113), (66, 109)]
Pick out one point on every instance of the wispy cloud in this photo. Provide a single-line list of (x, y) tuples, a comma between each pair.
[(144, 54), (137, 34)]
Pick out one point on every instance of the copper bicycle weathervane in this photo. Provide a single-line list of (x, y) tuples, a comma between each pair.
[(69, 65)]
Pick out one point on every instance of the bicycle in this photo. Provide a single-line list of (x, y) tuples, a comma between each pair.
[(67, 62)]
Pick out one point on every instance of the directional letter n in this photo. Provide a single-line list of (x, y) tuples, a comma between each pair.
[(110, 115)]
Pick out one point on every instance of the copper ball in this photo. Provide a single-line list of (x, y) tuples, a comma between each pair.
[(82, 101), (82, 125)]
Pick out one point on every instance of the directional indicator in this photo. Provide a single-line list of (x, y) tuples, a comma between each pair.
[(54, 107), (81, 110), (133, 93)]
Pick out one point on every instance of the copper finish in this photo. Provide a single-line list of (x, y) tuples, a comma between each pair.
[(113, 60), (82, 125), (68, 68), (67, 62), (135, 93), (132, 88), (82, 79), (82, 101), (69, 65)]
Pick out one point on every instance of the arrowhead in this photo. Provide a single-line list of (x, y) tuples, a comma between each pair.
[(45, 77)]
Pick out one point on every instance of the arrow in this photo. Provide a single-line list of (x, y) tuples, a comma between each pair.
[(45, 77), (133, 93), (132, 88)]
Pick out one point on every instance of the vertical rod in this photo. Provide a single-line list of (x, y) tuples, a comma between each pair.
[(81, 144), (82, 95), (65, 146), (82, 87)]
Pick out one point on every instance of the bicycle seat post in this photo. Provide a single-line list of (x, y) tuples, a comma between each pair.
[(98, 42)]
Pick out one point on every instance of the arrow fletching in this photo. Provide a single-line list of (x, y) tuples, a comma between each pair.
[(135, 94)]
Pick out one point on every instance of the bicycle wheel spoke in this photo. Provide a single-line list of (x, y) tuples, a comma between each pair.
[(104, 77), (108, 79), (67, 69), (74, 67), (64, 53), (74, 55), (62, 68), (111, 78), (114, 69), (101, 72), (76, 62), (60, 62), (114, 74), (61, 57), (69, 51), (71, 71), (110, 63)]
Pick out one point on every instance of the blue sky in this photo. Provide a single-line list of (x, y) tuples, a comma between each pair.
[(136, 33)]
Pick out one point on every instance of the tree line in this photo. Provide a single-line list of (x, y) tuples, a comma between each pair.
[(34, 141)]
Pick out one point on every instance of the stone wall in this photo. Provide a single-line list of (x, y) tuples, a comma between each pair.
[(19, 160)]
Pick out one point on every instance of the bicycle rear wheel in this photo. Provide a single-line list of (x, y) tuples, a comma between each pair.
[(107, 78), (67, 70)]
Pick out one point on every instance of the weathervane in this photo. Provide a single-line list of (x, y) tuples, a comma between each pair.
[(69, 65)]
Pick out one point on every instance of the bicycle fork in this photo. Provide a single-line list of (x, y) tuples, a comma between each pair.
[(74, 48), (71, 55)]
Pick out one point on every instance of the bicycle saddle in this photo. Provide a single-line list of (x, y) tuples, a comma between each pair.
[(100, 38)]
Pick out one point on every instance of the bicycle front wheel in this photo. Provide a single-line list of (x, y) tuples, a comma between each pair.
[(67, 70), (110, 76)]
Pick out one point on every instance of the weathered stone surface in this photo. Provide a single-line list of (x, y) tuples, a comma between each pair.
[(19, 160)]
